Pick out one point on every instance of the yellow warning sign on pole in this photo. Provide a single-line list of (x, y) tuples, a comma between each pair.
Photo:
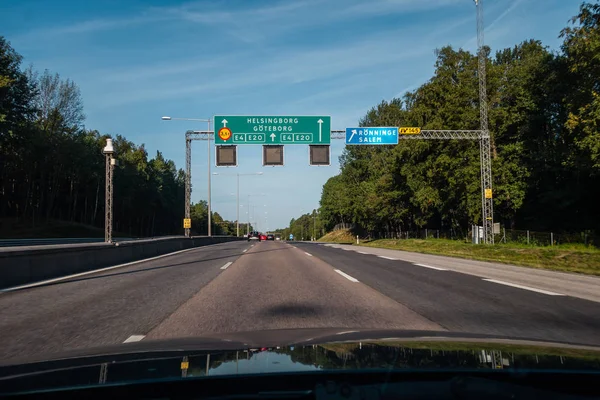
[(488, 193), (187, 223)]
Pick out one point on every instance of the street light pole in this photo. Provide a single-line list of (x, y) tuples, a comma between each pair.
[(108, 197), (314, 223), (237, 218), (209, 179), (238, 196)]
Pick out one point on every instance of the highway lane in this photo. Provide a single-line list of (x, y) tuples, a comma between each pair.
[(276, 286), (107, 307), (467, 303), (239, 286)]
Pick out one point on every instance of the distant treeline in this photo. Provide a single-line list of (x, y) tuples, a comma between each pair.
[(52, 167), (544, 119)]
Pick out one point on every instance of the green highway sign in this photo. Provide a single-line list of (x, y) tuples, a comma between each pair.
[(250, 129)]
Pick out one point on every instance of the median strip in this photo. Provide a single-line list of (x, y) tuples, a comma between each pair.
[(524, 287), (94, 271), (345, 275)]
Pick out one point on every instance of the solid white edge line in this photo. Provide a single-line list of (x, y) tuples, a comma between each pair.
[(345, 275), (134, 338), (361, 252), (387, 258), (431, 267), (308, 254), (226, 265), (95, 271), (245, 250), (524, 287)]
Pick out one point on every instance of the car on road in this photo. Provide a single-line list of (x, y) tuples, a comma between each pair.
[(270, 237), (263, 236), (254, 236)]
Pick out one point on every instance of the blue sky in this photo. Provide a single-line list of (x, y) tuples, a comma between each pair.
[(136, 61)]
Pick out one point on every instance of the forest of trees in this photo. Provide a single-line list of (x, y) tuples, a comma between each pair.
[(52, 167), (544, 115)]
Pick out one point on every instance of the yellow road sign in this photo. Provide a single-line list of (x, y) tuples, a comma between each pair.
[(409, 131), (187, 223), (488, 193)]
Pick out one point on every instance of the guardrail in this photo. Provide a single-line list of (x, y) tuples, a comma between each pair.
[(26, 264)]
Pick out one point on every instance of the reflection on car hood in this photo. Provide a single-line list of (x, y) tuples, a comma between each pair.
[(294, 350)]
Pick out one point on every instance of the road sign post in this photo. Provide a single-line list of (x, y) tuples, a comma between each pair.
[(275, 130)]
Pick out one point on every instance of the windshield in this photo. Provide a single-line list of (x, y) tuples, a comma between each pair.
[(193, 169)]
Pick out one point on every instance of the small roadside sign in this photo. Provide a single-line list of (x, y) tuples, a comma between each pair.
[(187, 223), (409, 131)]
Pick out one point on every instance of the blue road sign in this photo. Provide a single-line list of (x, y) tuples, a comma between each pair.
[(372, 135)]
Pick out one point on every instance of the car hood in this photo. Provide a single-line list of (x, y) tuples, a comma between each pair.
[(293, 350)]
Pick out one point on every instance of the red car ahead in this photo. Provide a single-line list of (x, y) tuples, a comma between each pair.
[(263, 237)]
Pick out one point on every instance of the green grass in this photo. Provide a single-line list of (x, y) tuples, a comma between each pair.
[(342, 236), (569, 257)]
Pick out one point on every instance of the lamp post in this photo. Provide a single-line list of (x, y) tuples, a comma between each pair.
[(189, 173), (110, 163), (314, 224), (238, 195), (248, 212)]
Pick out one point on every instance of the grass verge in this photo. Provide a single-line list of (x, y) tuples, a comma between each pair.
[(342, 236), (568, 258)]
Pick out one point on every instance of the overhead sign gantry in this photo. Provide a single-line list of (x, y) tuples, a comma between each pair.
[(272, 130)]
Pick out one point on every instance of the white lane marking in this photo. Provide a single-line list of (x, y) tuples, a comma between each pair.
[(245, 250), (361, 252), (95, 271), (524, 287), (308, 254), (226, 265), (343, 248), (134, 338), (431, 267), (345, 275), (387, 258), (345, 332)]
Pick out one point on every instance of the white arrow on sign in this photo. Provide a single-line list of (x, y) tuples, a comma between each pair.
[(272, 137), (320, 122), (224, 123), (351, 136)]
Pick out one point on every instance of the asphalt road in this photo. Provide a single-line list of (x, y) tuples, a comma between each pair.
[(241, 286)]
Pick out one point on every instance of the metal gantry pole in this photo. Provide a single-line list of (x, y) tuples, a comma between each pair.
[(188, 179), (487, 201)]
